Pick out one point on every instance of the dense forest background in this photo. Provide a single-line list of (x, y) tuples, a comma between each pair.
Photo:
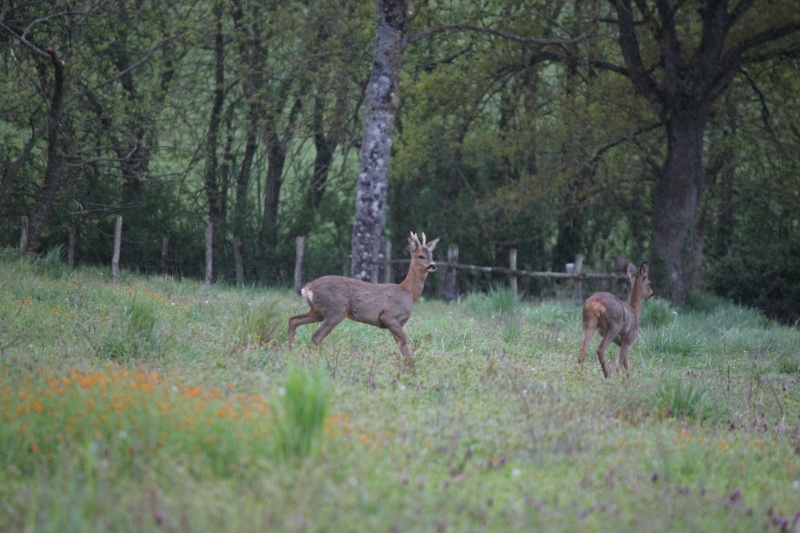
[(655, 130)]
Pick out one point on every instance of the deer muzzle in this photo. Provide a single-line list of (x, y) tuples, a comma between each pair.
[(431, 267)]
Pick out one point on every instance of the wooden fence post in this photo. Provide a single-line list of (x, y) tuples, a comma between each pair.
[(117, 246), (512, 263), (387, 263), (300, 247), (209, 253), (71, 250), (23, 235), (450, 285), (238, 259), (577, 296)]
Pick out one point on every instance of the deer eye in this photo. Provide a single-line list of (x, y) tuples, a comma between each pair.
[(421, 257)]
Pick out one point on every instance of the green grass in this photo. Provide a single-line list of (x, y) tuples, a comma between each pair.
[(163, 405)]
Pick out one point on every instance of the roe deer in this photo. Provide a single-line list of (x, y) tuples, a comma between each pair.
[(615, 320), (385, 305)]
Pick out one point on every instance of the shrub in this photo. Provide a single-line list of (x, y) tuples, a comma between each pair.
[(705, 302), (657, 313), (670, 341), (777, 289)]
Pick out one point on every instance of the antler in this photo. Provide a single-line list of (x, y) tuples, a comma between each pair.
[(416, 239)]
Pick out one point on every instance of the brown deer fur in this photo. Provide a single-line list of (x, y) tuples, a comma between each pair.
[(616, 321), (331, 299)]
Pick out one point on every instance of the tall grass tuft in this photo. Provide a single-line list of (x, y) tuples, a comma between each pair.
[(512, 327), (555, 314), (134, 333), (299, 421), (52, 264), (685, 401), (788, 364), (499, 300), (671, 341), (258, 323)]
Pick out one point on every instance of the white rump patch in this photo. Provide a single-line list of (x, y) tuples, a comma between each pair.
[(309, 295)]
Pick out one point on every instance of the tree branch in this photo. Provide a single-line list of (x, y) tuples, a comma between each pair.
[(735, 56), (491, 31), (629, 45)]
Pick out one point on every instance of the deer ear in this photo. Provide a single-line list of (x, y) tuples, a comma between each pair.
[(644, 270), (431, 245), (631, 271)]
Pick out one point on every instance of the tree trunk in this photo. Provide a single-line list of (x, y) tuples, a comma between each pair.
[(684, 85), (676, 195), (216, 188), (381, 104), (46, 197), (325, 146)]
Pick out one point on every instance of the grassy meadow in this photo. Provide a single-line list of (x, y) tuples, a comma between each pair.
[(162, 405)]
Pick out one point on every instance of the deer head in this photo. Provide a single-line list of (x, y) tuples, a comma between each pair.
[(421, 252)]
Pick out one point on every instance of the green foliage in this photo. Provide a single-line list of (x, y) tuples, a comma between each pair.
[(671, 341), (705, 302), (685, 400), (762, 276), (555, 314), (133, 333), (258, 322), (53, 261), (657, 313), (498, 300), (303, 402), (788, 364), (201, 435)]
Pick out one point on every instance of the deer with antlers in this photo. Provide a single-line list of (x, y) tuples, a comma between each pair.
[(331, 299), (616, 321)]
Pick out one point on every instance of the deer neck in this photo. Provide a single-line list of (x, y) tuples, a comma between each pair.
[(415, 281), (637, 299)]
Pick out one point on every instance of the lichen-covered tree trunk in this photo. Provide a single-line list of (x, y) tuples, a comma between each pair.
[(381, 103)]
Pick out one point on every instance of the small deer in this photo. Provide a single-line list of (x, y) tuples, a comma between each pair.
[(386, 305), (614, 319)]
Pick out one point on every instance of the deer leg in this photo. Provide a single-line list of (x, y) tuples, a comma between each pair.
[(299, 320), (399, 336), (330, 322), (601, 350), (589, 328), (623, 356)]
